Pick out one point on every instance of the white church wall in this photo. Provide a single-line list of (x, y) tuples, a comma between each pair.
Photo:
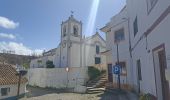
[(90, 54), (56, 59), (64, 56), (75, 55)]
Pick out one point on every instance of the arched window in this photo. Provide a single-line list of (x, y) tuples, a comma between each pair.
[(64, 31), (97, 49), (75, 30)]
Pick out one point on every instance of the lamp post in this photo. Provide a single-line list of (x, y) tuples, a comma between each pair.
[(19, 81), (67, 70), (20, 73)]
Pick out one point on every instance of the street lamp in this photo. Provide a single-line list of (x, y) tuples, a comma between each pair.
[(67, 70), (19, 81), (20, 73)]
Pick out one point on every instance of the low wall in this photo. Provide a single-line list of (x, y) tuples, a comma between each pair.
[(57, 77)]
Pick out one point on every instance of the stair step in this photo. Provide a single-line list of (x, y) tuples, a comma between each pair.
[(93, 92), (96, 89)]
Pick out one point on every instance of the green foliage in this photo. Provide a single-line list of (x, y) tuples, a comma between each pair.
[(93, 72), (49, 64), (26, 65), (103, 71), (147, 97)]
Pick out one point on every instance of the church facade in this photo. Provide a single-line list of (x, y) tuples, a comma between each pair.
[(74, 50)]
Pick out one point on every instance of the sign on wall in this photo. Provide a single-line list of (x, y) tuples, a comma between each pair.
[(116, 69)]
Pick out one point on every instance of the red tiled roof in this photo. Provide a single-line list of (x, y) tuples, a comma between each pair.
[(8, 75)]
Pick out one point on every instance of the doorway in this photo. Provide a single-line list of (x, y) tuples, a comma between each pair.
[(160, 65), (139, 74), (110, 74)]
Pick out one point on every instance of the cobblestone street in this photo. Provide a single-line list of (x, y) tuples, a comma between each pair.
[(51, 94)]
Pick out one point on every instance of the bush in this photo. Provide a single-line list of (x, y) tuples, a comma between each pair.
[(93, 72), (147, 97), (49, 64)]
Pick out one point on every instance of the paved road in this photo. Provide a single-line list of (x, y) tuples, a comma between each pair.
[(52, 94)]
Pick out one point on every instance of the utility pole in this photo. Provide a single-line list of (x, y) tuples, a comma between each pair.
[(19, 82), (118, 65)]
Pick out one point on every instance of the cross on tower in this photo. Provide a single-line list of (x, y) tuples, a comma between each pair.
[(72, 12)]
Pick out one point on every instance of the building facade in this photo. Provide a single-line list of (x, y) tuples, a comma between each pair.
[(117, 37), (74, 49), (9, 83), (148, 21)]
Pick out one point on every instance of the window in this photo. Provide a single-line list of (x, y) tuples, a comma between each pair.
[(139, 70), (151, 4), (97, 49), (4, 91), (75, 30), (64, 31), (119, 35), (135, 26), (97, 60)]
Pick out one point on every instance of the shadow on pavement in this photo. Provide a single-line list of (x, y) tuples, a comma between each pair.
[(108, 96), (38, 91)]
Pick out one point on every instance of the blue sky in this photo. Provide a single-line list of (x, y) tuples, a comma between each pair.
[(36, 23)]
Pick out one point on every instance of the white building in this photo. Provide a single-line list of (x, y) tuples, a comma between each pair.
[(9, 83), (71, 59), (148, 22), (117, 41), (74, 50)]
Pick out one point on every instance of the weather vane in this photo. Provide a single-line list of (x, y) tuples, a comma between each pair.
[(72, 12)]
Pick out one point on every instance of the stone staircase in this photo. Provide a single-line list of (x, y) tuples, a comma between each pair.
[(97, 85)]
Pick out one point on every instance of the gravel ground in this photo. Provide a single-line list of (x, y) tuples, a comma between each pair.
[(52, 94), (72, 96)]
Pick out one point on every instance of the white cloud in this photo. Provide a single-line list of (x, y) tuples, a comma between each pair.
[(19, 48), (6, 23), (8, 36)]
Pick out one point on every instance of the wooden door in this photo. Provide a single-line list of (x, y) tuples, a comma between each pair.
[(164, 82), (110, 74)]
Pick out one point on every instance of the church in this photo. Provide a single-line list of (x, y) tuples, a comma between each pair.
[(74, 50)]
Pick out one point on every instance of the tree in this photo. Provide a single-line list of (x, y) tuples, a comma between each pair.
[(26, 65), (49, 64)]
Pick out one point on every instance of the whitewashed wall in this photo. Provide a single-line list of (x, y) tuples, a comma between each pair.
[(90, 52), (57, 77), (117, 22), (157, 37), (13, 90)]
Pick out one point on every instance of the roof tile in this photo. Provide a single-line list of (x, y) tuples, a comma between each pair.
[(8, 75)]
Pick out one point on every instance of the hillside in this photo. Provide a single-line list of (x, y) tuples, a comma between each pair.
[(16, 59)]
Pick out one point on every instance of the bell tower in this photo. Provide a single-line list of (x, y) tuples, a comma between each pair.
[(71, 43)]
